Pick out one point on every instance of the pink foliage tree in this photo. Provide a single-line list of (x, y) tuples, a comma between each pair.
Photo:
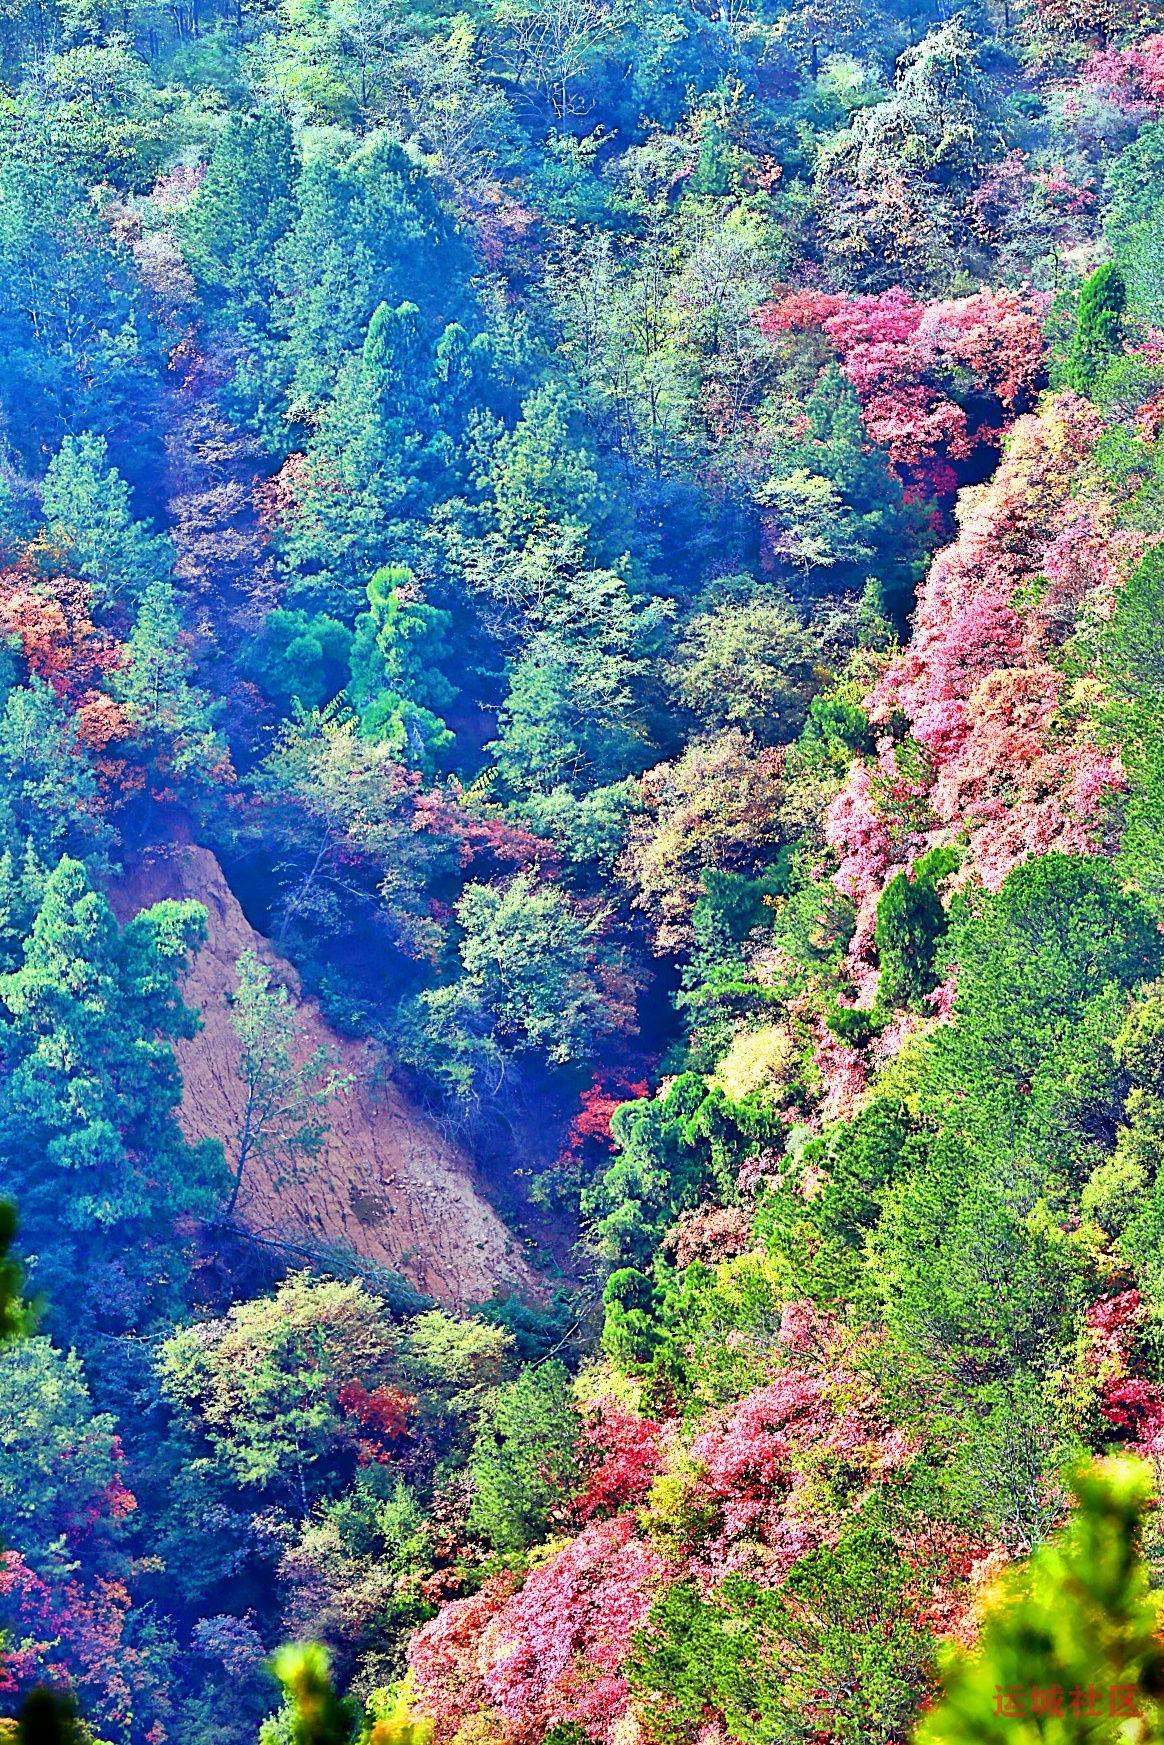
[(1130, 1402), (1131, 77), (551, 1651), (902, 357), (756, 1486), (1008, 754)]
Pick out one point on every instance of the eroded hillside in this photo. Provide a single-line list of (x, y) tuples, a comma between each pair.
[(386, 1184)]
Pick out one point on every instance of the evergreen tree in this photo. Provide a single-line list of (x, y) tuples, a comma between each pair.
[(49, 801), (75, 333), (243, 209), (296, 656), (397, 685), (172, 717), (88, 516), (392, 438), (525, 1458), (911, 923), (89, 1144), (370, 231), (1099, 327)]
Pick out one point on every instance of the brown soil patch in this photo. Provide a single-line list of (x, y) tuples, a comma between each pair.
[(386, 1185)]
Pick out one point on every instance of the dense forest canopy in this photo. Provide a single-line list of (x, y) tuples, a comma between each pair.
[(632, 529)]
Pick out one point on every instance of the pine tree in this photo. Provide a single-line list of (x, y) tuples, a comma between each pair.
[(910, 925), (1099, 327), (88, 515), (243, 209), (172, 716), (90, 1147)]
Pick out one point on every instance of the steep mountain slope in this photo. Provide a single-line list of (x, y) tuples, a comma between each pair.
[(386, 1184)]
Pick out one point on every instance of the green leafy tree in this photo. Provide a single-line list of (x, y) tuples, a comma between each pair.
[(1124, 1194), (58, 1458), (370, 231), (542, 475), (753, 665), (579, 710), (75, 334), (1135, 182), (812, 526), (674, 1149), (338, 810), (630, 1328), (524, 1460), (976, 1271), (892, 189), (537, 976), (1079, 1621), (258, 1391), (837, 1644), (106, 105), (335, 60), (821, 1239), (1044, 971), (891, 538), (49, 800), (15, 1319), (300, 657), (1132, 666), (21, 893), (387, 450), (357, 1569)]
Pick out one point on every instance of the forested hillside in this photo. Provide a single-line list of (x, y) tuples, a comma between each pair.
[(633, 530)]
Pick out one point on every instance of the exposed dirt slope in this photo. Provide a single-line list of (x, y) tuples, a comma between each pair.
[(386, 1184)]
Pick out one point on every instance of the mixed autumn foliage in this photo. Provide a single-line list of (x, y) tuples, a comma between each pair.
[(633, 528)]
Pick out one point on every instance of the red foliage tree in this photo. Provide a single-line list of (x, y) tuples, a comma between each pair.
[(589, 1139), (1095, 19), (997, 755), (1132, 77), (759, 1484), (1132, 1403), (902, 358), (622, 1455), (71, 1633), (382, 1413)]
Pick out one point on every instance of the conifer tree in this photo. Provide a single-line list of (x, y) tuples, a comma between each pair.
[(89, 1145), (1099, 328), (243, 209), (88, 512)]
